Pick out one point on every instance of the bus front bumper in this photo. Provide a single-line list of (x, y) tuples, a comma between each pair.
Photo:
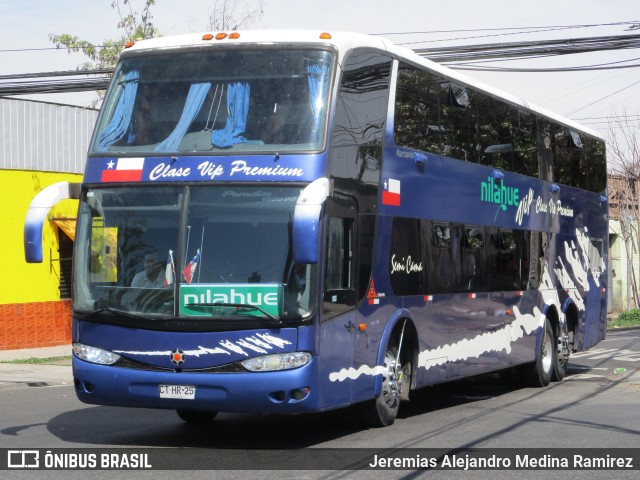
[(281, 392)]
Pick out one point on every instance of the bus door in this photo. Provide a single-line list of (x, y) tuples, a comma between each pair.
[(338, 322)]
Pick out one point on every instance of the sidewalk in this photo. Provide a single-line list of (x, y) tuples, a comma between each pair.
[(19, 375), (46, 352)]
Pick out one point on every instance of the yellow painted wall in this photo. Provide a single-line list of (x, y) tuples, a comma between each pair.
[(21, 282)]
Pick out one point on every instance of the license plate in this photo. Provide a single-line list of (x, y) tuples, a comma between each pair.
[(185, 392)]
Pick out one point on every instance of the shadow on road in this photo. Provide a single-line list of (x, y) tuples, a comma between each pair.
[(163, 428)]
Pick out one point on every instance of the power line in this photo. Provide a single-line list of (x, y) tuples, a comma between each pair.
[(609, 117), (538, 70), (632, 22), (604, 98), (55, 82), (473, 37), (59, 73), (528, 49), (51, 82)]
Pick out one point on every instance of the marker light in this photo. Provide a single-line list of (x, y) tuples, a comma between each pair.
[(94, 355), (234, 36), (129, 44), (325, 36), (281, 361), (221, 36), (207, 36)]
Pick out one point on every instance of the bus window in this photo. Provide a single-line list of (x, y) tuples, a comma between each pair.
[(494, 125), (417, 109), (104, 252), (503, 259), (525, 145), (361, 112), (473, 260), (459, 132), (568, 151), (258, 101), (339, 288), (439, 270)]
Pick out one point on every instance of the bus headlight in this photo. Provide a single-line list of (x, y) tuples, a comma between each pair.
[(94, 354), (281, 361)]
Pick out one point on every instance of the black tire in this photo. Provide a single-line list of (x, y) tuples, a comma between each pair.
[(383, 410), (560, 363), (195, 416), (542, 371)]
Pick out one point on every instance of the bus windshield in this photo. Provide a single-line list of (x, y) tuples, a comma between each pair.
[(211, 102), (190, 251)]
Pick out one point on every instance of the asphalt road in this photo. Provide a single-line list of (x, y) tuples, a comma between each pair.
[(595, 406)]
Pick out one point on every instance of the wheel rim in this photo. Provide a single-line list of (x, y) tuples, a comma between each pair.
[(547, 352), (391, 381)]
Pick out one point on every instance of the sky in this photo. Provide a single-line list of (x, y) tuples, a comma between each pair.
[(587, 97)]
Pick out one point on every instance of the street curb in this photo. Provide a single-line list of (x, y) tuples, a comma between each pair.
[(622, 329), (26, 353)]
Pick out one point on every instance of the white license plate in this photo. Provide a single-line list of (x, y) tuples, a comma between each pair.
[(185, 392)]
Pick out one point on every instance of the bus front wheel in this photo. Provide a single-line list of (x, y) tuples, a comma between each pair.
[(382, 411)]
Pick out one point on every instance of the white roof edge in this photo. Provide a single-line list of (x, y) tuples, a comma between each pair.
[(344, 41)]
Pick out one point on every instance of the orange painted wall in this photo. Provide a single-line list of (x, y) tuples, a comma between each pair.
[(38, 324)]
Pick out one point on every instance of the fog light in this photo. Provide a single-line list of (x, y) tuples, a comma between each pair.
[(300, 393)]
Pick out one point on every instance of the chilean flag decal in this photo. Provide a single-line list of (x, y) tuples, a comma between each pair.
[(123, 170), (391, 192)]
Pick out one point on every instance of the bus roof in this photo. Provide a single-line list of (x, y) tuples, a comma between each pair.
[(343, 42)]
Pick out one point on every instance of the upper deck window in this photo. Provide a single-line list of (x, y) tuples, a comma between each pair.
[(210, 102)]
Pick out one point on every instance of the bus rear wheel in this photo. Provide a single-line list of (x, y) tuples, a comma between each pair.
[(196, 416), (546, 359), (562, 357)]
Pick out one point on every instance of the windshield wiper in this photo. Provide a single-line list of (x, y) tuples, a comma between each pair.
[(276, 320), (113, 311)]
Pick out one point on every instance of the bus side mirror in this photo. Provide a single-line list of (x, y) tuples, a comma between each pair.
[(37, 213), (306, 221)]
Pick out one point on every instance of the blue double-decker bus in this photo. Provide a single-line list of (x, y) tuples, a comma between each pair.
[(290, 222)]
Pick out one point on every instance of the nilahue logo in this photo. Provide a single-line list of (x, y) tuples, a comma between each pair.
[(498, 193), (196, 299)]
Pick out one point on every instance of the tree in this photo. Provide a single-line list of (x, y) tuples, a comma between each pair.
[(233, 14), (624, 186), (133, 26)]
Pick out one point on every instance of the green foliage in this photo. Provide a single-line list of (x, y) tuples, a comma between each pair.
[(133, 26), (629, 318), (42, 361)]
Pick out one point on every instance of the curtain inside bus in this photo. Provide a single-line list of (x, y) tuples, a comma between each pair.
[(122, 116), (195, 99), (238, 108)]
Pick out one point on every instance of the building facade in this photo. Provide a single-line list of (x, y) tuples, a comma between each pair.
[(624, 243), (40, 144)]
